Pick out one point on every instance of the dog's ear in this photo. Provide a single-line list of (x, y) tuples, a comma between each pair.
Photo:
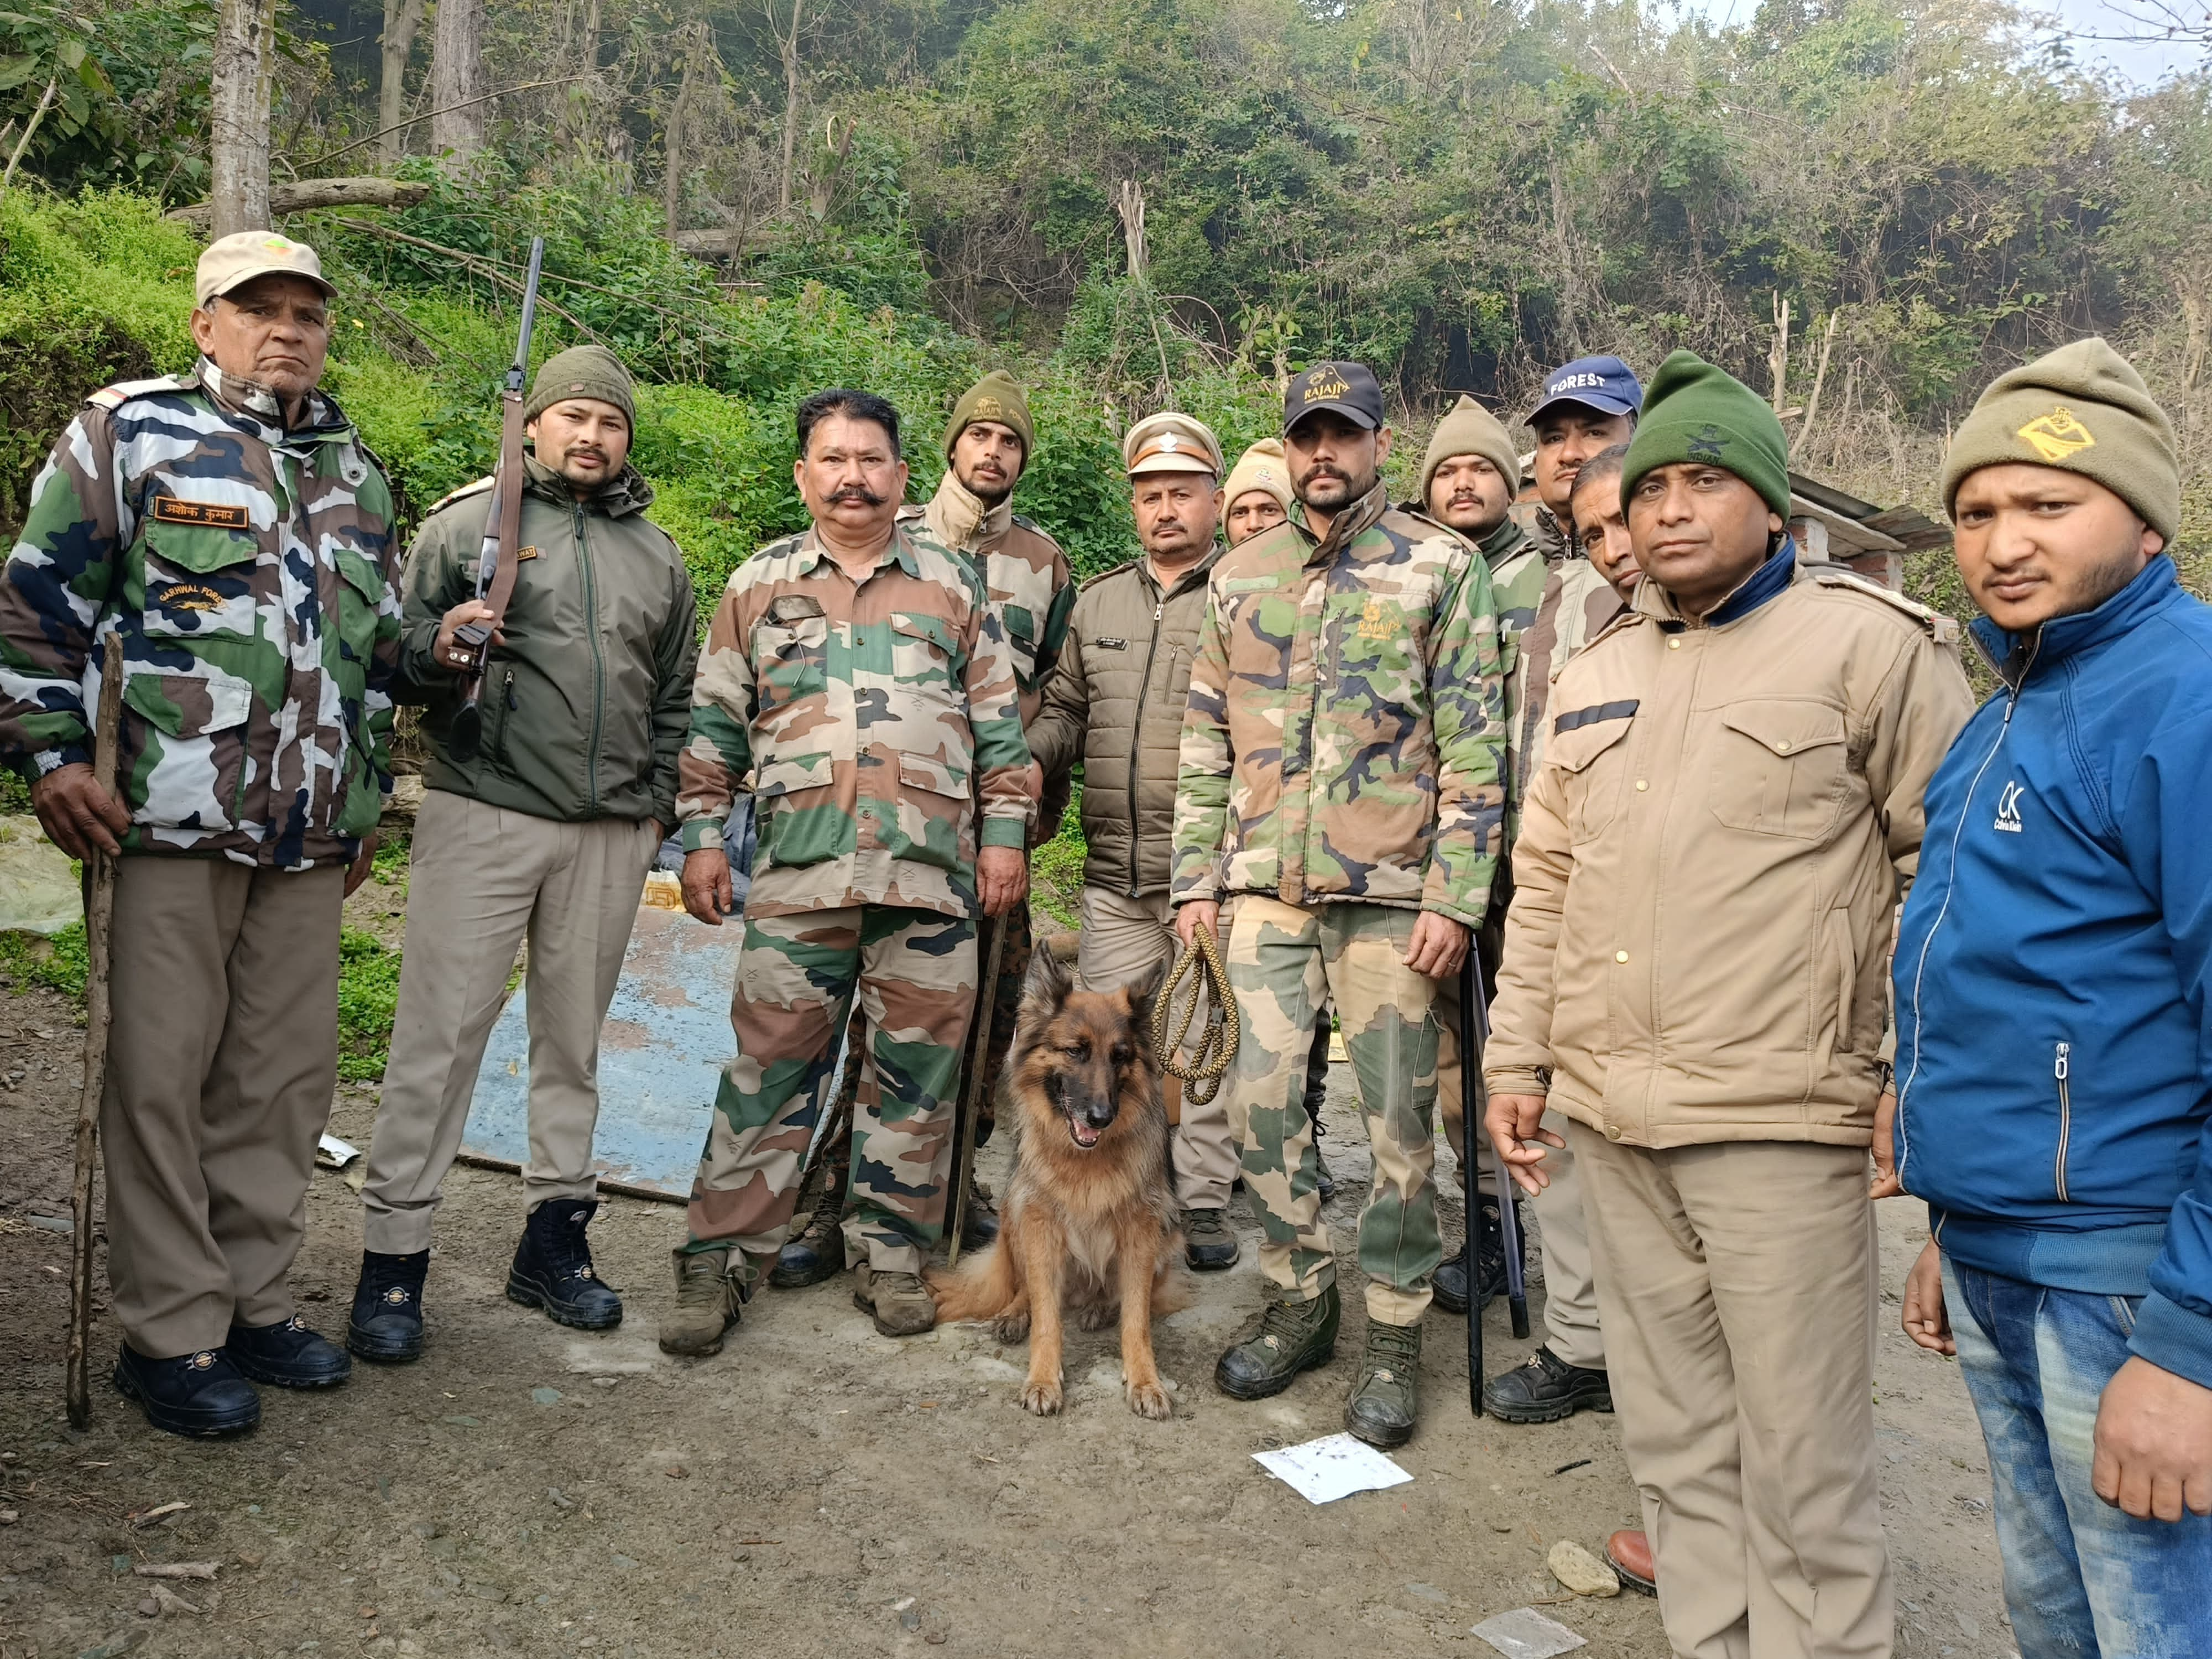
[(1049, 983), (1143, 992)]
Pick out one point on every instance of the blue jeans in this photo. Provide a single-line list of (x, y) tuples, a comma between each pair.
[(2079, 1576)]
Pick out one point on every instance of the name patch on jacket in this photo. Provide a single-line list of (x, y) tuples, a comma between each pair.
[(1578, 718), (190, 596), (171, 509), (1108, 642)]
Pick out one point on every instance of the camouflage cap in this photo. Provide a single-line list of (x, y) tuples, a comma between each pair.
[(1169, 442), (238, 258)]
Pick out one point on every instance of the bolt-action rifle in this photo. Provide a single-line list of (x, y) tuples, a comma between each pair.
[(496, 563)]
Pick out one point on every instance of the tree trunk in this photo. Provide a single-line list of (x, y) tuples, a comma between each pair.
[(239, 117), (307, 195), (402, 19), (456, 79), (672, 142), (789, 45)]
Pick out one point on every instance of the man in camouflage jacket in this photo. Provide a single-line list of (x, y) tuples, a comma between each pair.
[(1340, 781), (859, 674), (1027, 580), (229, 526)]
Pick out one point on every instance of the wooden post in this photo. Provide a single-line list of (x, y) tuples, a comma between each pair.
[(98, 918)]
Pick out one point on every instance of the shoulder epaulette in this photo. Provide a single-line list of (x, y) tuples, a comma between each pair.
[(1943, 629), (112, 398), (1038, 531), (911, 510), (460, 494), (1089, 582), (1620, 624)]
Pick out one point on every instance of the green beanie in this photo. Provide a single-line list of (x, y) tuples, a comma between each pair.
[(2080, 409), (1695, 412), (1471, 430), (584, 371), (993, 397)]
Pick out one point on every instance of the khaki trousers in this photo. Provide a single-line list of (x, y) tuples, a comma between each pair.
[(483, 877), (1737, 1285), (220, 1065), (1122, 940), (1570, 1317)]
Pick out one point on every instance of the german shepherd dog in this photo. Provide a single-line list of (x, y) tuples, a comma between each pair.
[(1089, 1221)]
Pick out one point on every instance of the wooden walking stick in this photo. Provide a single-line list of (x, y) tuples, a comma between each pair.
[(99, 916), (971, 1099)]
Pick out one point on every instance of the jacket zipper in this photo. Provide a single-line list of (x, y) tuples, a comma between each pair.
[(598, 665), (505, 709), (1900, 1138), (2060, 1066), (1136, 737)]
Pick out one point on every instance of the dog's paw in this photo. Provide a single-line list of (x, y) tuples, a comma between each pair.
[(1041, 1399), (1011, 1327), (1149, 1399), (1096, 1316)]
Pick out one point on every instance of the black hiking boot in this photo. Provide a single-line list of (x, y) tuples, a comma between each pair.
[(980, 1225), (1449, 1284), (386, 1325), (288, 1355), (552, 1268), (1545, 1389), (817, 1254), (1291, 1337), (200, 1396), (1208, 1246), (1387, 1402)]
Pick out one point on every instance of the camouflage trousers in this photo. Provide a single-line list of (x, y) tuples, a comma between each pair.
[(913, 973), (1284, 960)]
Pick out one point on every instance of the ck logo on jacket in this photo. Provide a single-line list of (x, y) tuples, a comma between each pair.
[(2009, 809)]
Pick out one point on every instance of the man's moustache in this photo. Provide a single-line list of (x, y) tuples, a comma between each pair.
[(860, 493)]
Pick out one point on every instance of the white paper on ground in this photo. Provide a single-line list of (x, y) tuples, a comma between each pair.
[(1335, 1466), (1525, 1633), (334, 1154)]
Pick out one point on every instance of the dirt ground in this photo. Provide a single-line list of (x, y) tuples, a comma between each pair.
[(817, 1488)]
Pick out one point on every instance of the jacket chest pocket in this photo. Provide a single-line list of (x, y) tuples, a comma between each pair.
[(791, 661), (1780, 768), (1592, 753), (199, 580), (922, 652), (361, 597)]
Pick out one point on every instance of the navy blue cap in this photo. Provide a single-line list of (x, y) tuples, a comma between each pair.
[(1605, 384)]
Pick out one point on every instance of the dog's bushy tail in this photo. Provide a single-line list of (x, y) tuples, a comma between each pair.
[(983, 1286)]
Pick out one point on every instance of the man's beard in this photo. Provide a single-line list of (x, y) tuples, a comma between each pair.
[(989, 491)]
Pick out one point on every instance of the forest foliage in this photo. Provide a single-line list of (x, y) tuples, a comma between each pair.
[(1461, 192)]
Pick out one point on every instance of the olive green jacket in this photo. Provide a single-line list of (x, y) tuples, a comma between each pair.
[(586, 702)]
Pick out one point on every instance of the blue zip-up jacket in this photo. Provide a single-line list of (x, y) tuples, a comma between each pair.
[(2054, 1018)]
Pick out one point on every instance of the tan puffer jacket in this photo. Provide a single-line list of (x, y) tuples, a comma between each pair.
[(1723, 821), (1116, 702)]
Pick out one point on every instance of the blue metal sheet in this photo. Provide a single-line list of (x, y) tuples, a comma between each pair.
[(661, 1054)]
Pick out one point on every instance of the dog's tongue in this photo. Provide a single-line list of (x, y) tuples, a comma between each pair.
[(1083, 1133)]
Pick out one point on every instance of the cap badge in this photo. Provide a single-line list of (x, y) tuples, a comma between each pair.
[(1326, 384), (1170, 442), (988, 409), (1706, 444), (2056, 435)]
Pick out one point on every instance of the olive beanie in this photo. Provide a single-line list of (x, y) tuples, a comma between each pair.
[(993, 397), (1697, 412), (1470, 429), (584, 371), (2080, 409)]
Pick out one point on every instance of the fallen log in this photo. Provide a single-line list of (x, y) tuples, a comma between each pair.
[(306, 195)]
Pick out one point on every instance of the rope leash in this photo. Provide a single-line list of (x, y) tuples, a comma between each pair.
[(1202, 1078)]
